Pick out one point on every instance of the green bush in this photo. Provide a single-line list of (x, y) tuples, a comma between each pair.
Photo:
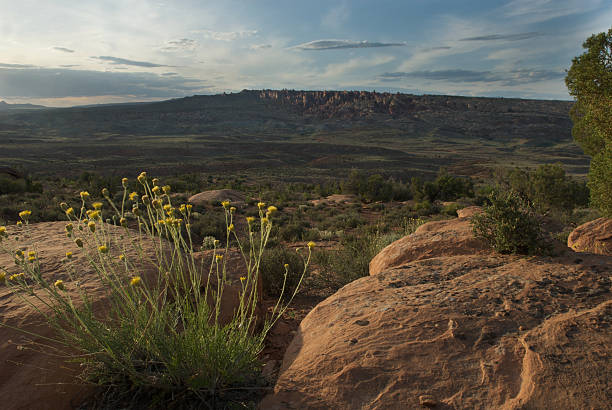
[(281, 266), (510, 225)]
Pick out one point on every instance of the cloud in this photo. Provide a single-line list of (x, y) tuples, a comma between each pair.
[(61, 83), (337, 69), (124, 61), (427, 50), (63, 49), (534, 11), (179, 45), (506, 37), (169, 74), (340, 44), (260, 46), (508, 78), (6, 65), (227, 35), (69, 65)]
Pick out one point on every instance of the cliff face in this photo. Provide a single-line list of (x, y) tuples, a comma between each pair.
[(364, 104)]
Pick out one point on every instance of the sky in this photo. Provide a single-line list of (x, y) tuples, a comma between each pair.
[(64, 53)]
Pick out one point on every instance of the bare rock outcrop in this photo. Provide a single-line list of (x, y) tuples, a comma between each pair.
[(467, 331), (438, 238), (218, 195), (592, 237)]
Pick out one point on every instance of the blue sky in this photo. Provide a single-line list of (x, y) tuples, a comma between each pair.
[(62, 53)]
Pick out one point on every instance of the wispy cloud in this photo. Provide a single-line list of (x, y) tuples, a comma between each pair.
[(506, 37), (6, 65), (341, 44), (63, 49), (439, 48), (260, 46), (182, 44), (61, 83), (226, 35), (125, 61), (508, 78), (533, 11)]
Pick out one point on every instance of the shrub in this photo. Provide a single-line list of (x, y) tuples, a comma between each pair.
[(510, 225), (161, 334), (281, 272)]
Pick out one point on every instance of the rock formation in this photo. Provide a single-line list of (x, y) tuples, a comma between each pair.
[(593, 237), (217, 196), (457, 331)]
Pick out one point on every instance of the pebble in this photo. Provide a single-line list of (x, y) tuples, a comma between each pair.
[(427, 400)]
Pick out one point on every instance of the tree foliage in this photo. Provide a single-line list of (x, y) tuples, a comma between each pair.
[(589, 81)]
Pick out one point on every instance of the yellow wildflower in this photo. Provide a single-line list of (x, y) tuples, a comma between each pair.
[(103, 249), (122, 257), (155, 181), (124, 182), (272, 209), (31, 259), (69, 227), (3, 231), (145, 199), (19, 253), (156, 203), (225, 204), (97, 205), (92, 226), (155, 189), (31, 253), (286, 266), (231, 228), (25, 214), (218, 258), (70, 212), (311, 245), (261, 205), (133, 196), (142, 178), (59, 284), (68, 255), (94, 215), (19, 223), (188, 206), (105, 192), (250, 219), (84, 195), (136, 210), (135, 281), (265, 221), (242, 278), (123, 222), (2, 278), (166, 189)]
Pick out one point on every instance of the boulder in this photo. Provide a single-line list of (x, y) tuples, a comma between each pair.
[(438, 238), (335, 199), (218, 196), (466, 331), (592, 237)]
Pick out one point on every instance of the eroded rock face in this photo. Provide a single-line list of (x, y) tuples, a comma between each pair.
[(467, 331), (439, 238), (592, 237)]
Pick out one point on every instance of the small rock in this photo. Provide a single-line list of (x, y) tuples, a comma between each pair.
[(427, 400), (362, 322)]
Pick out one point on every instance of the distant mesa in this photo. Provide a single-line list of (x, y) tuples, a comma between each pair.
[(218, 195), (4, 106)]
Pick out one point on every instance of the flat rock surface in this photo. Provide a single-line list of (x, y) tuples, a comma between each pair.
[(467, 331), (593, 237), (438, 238)]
